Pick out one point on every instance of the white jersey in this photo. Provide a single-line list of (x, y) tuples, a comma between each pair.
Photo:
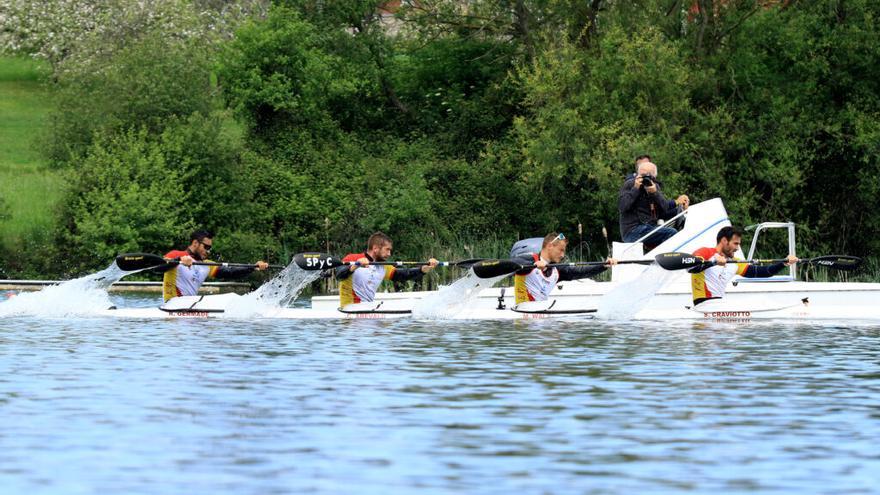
[(712, 282), (366, 279), (535, 286)]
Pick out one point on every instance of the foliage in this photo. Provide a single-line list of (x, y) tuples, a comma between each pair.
[(124, 198), (148, 83), (472, 120), (57, 30)]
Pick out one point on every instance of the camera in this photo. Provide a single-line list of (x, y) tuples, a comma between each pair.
[(647, 180)]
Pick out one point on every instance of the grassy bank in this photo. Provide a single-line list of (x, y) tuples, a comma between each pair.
[(27, 187)]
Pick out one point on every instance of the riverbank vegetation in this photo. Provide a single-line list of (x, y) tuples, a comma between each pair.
[(302, 125)]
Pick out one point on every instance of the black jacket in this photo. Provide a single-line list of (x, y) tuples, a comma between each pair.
[(637, 207)]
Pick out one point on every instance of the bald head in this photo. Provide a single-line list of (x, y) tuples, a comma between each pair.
[(645, 167)]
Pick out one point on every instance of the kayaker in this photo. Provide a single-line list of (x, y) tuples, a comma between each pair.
[(358, 283), (535, 284), (184, 278), (641, 204), (709, 280)]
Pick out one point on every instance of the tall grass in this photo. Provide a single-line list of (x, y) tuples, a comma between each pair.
[(28, 188)]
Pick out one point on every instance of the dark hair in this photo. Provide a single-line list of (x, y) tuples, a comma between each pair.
[(728, 233), (378, 239), (199, 235), (549, 238), (642, 157)]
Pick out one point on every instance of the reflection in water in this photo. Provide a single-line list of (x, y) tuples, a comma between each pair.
[(368, 406)]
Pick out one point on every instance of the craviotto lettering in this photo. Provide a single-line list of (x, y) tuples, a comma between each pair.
[(728, 314)]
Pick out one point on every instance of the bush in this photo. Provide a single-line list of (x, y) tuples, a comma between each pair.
[(149, 83), (124, 198)]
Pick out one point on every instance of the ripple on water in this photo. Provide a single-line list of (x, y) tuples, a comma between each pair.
[(92, 405)]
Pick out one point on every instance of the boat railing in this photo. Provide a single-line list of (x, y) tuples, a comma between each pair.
[(758, 228)]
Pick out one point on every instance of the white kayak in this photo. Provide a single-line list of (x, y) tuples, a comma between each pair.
[(233, 306)]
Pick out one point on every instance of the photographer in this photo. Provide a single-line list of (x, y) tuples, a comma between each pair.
[(641, 205)]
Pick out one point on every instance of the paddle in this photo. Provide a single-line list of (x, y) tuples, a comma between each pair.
[(131, 262), (678, 261), (496, 268), (834, 261), (323, 261)]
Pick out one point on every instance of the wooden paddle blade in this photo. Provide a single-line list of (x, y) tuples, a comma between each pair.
[(838, 262), (678, 261), (132, 262), (495, 268), (316, 261)]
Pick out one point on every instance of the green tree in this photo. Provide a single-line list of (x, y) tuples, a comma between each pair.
[(124, 197)]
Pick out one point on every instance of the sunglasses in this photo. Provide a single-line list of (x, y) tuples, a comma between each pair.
[(206, 246), (560, 237)]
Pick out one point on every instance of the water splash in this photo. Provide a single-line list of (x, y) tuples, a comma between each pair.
[(281, 291), (628, 298), (454, 298), (83, 296)]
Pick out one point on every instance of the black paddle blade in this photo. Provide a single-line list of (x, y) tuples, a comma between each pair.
[(678, 261), (316, 261), (495, 268), (132, 262), (467, 263), (838, 262)]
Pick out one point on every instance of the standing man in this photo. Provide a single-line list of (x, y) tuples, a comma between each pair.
[(535, 284), (709, 280), (358, 283), (185, 278), (641, 205)]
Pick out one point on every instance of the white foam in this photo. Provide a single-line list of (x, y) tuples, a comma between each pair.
[(281, 291), (454, 298), (630, 297), (79, 297)]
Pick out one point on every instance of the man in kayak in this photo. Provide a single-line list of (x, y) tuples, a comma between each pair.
[(709, 280), (185, 278), (536, 283), (641, 205), (358, 283)]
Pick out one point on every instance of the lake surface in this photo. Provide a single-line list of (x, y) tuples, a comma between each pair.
[(90, 405)]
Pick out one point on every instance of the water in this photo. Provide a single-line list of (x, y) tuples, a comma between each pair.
[(628, 298), (92, 405), (79, 297), (454, 298)]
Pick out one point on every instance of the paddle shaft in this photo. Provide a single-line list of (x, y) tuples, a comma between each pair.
[(323, 261), (231, 265), (589, 263)]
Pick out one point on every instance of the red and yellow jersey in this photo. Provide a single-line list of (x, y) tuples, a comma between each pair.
[(185, 280), (712, 282), (361, 286), (534, 285)]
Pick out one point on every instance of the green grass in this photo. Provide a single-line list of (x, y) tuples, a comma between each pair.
[(29, 189)]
